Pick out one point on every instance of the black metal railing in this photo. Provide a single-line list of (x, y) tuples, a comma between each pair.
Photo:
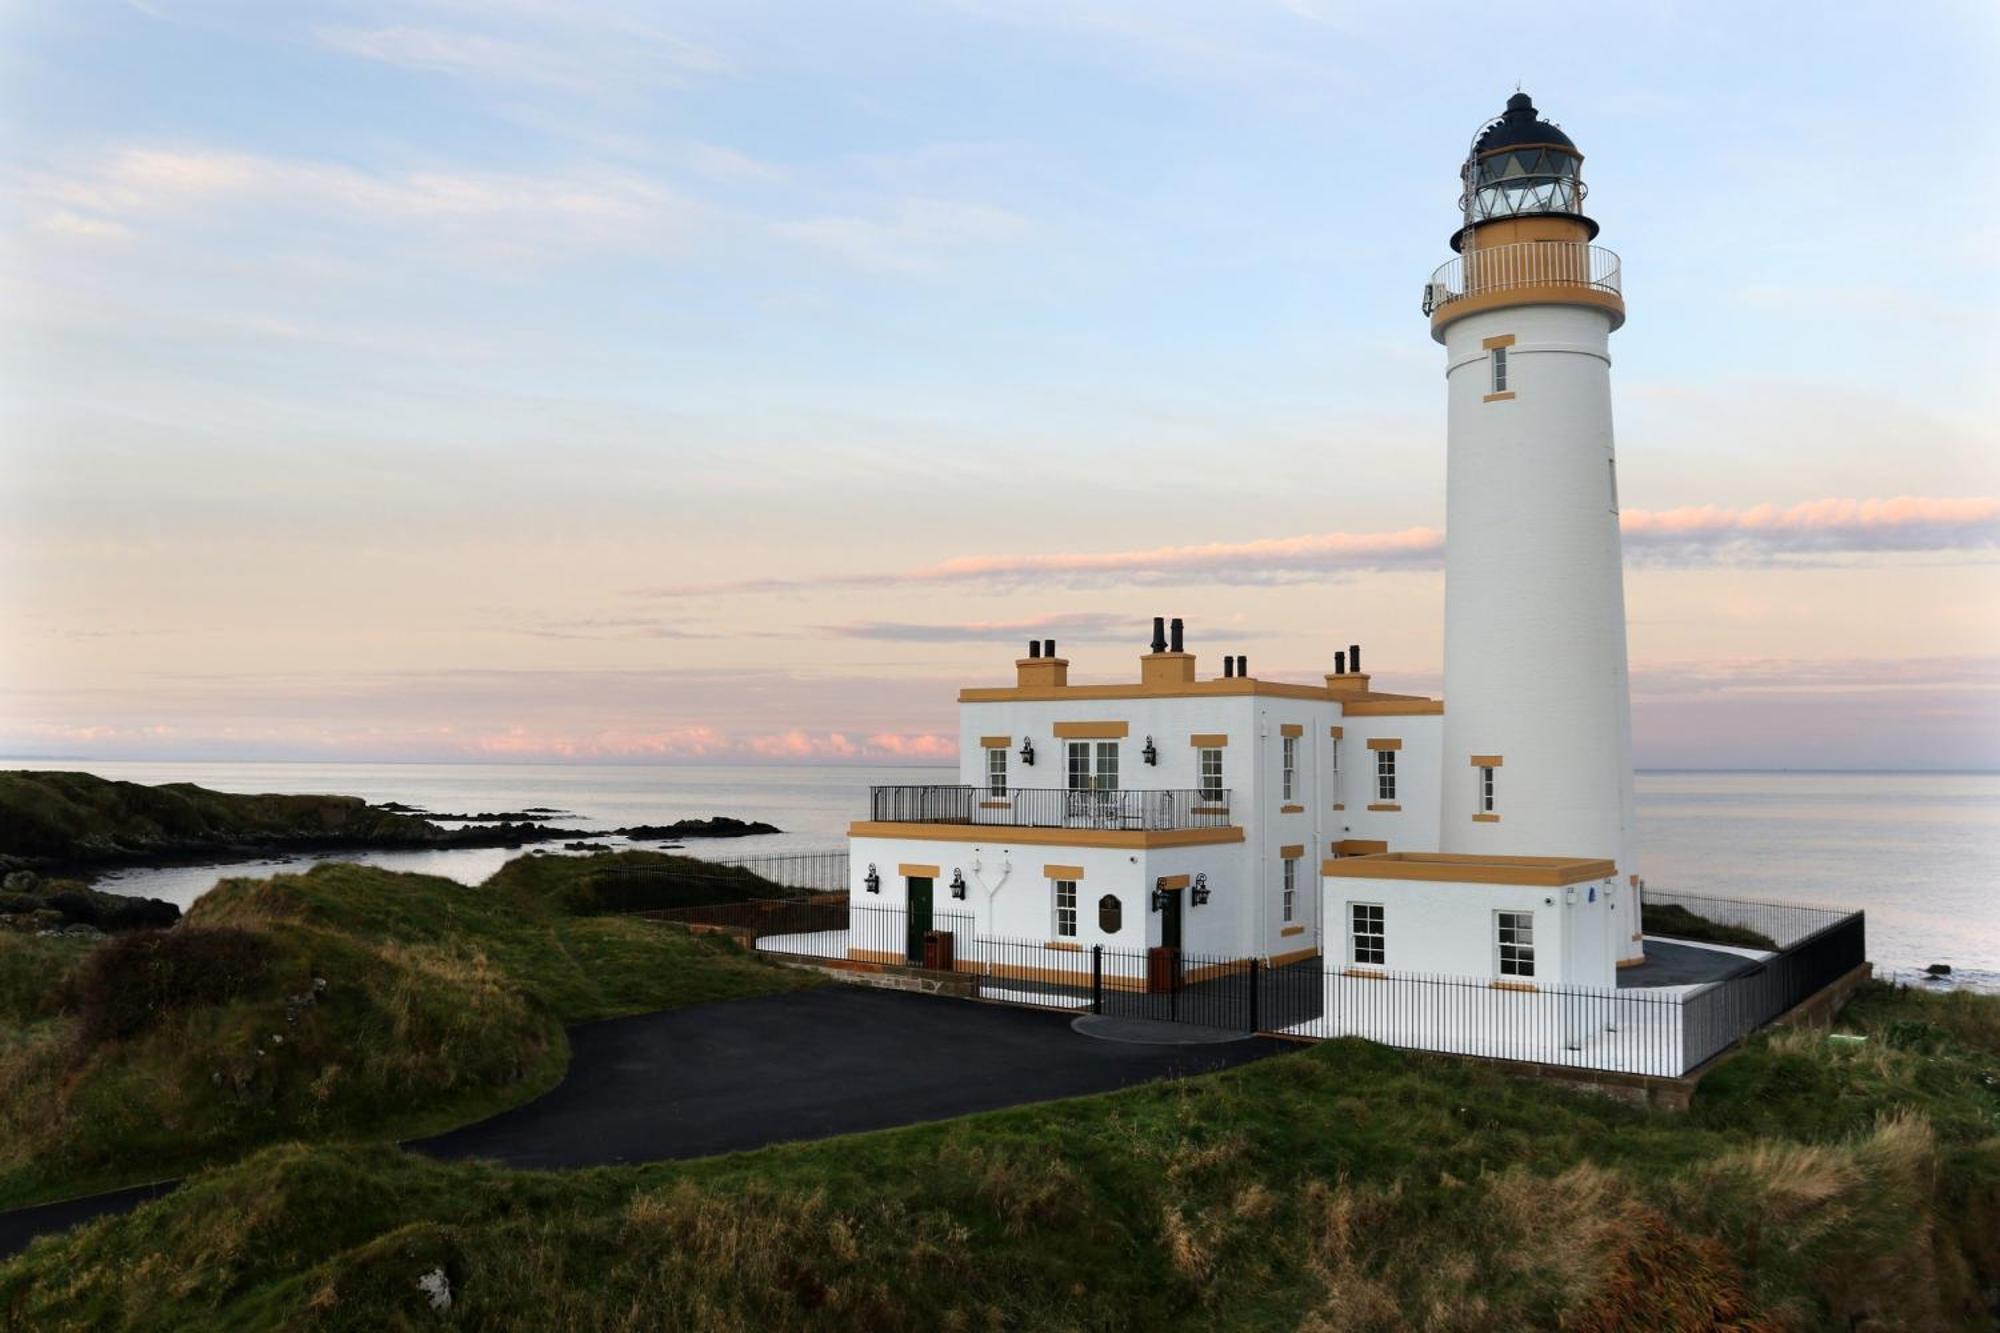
[(1783, 924), (1661, 1032), (1715, 1015), (1052, 807)]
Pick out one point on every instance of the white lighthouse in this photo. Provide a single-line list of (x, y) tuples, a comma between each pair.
[(1537, 738)]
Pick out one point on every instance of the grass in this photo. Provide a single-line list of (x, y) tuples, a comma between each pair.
[(1677, 922), (389, 1006), (1345, 1186)]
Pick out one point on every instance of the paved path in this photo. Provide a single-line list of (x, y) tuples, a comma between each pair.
[(836, 1060), (746, 1073)]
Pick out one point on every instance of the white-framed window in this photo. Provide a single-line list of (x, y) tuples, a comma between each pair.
[(1065, 903), (1334, 768), (1367, 942), (1385, 775), (1211, 773), (1499, 370), (1486, 793), (996, 770), (1289, 760), (1093, 765), (1291, 886), (1514, 933)]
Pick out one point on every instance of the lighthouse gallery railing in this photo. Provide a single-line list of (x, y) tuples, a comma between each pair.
[(1527, 264)]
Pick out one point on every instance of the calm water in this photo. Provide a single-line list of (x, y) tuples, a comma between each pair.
[(1919, 852)]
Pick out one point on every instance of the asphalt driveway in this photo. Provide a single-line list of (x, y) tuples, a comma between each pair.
[(806, 1065), (746, 1073)]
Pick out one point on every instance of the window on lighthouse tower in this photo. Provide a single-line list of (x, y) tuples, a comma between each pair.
[(1499, 355)]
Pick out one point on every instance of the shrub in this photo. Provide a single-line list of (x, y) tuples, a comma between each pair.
[(135, 978)]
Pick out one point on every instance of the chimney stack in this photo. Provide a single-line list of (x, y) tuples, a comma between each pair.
[(1340, 663), (1048, 647), (1159, 634), (1354, 657), (1242, 665), (1177, 634), (1034, 647), (1347, 677), (1228, 667)]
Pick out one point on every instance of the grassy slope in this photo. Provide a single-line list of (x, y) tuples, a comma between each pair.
[(444, 1003), (1343, 1187)]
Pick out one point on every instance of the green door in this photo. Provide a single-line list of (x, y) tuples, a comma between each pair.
[(1170, 920), (919, 896)]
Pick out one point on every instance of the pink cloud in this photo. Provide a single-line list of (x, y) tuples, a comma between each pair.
[(1693, 535)]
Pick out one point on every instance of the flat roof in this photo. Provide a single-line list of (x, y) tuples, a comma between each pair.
[(1464, 868)]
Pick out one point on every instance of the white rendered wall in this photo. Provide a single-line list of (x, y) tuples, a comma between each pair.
[(1535, 655), (1413, 828), (1448, 928)]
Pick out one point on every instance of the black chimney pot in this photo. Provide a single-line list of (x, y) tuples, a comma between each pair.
[(1034, 647), (1177, 634), (1159, 634), (1242, 665), (1340, 663), (1354, 657), (1048, 647), (1228, 667)]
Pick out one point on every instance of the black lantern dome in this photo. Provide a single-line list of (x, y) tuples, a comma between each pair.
[(1520, 166)]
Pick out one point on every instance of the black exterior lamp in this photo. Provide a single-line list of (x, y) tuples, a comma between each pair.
[(873, 881), (1027, 752), (1200, 894), (1150, 754), (957, 882), (1159, 899)]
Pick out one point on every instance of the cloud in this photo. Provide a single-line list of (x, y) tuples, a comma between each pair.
[(78, 226), (910, 238), (1704, 534), (577, 50), (1087, 626), (150, 184)]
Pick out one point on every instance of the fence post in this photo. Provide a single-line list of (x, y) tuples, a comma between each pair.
[(1254, 1024), (1096, 978)]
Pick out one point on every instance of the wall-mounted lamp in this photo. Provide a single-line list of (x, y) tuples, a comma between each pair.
[(873, 881), (1200, 894), (1150, 754), (957, 882), (1159, 896), (1027, 752)]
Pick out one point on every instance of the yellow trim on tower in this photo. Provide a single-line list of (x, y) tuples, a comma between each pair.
[(1463, 868), (1500, 397), (1486, 819), (1498, 340)]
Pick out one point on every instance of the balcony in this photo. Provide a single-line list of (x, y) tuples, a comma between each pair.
[(1052, 807), (1553, 271)]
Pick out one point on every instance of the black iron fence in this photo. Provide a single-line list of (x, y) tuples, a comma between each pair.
[(1663, 1031), (1721, 1012), (1052, 807), (814, 872), (1783, 924)]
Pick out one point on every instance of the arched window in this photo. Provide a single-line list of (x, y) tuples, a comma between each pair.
[(1110, 914)]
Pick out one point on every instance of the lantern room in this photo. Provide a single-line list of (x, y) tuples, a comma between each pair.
[(1521, 166)]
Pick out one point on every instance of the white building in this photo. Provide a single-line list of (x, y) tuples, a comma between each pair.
[(1227, 817)]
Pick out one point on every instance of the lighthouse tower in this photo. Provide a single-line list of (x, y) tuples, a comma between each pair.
[(1537, 747)]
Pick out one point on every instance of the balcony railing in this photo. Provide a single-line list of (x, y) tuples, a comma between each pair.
[(1050, 807), (1528, 264)]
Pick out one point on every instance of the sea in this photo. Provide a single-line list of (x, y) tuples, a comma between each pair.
[(1919, 852)]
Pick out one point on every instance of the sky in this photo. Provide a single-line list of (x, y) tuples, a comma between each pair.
[(723, 382)]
